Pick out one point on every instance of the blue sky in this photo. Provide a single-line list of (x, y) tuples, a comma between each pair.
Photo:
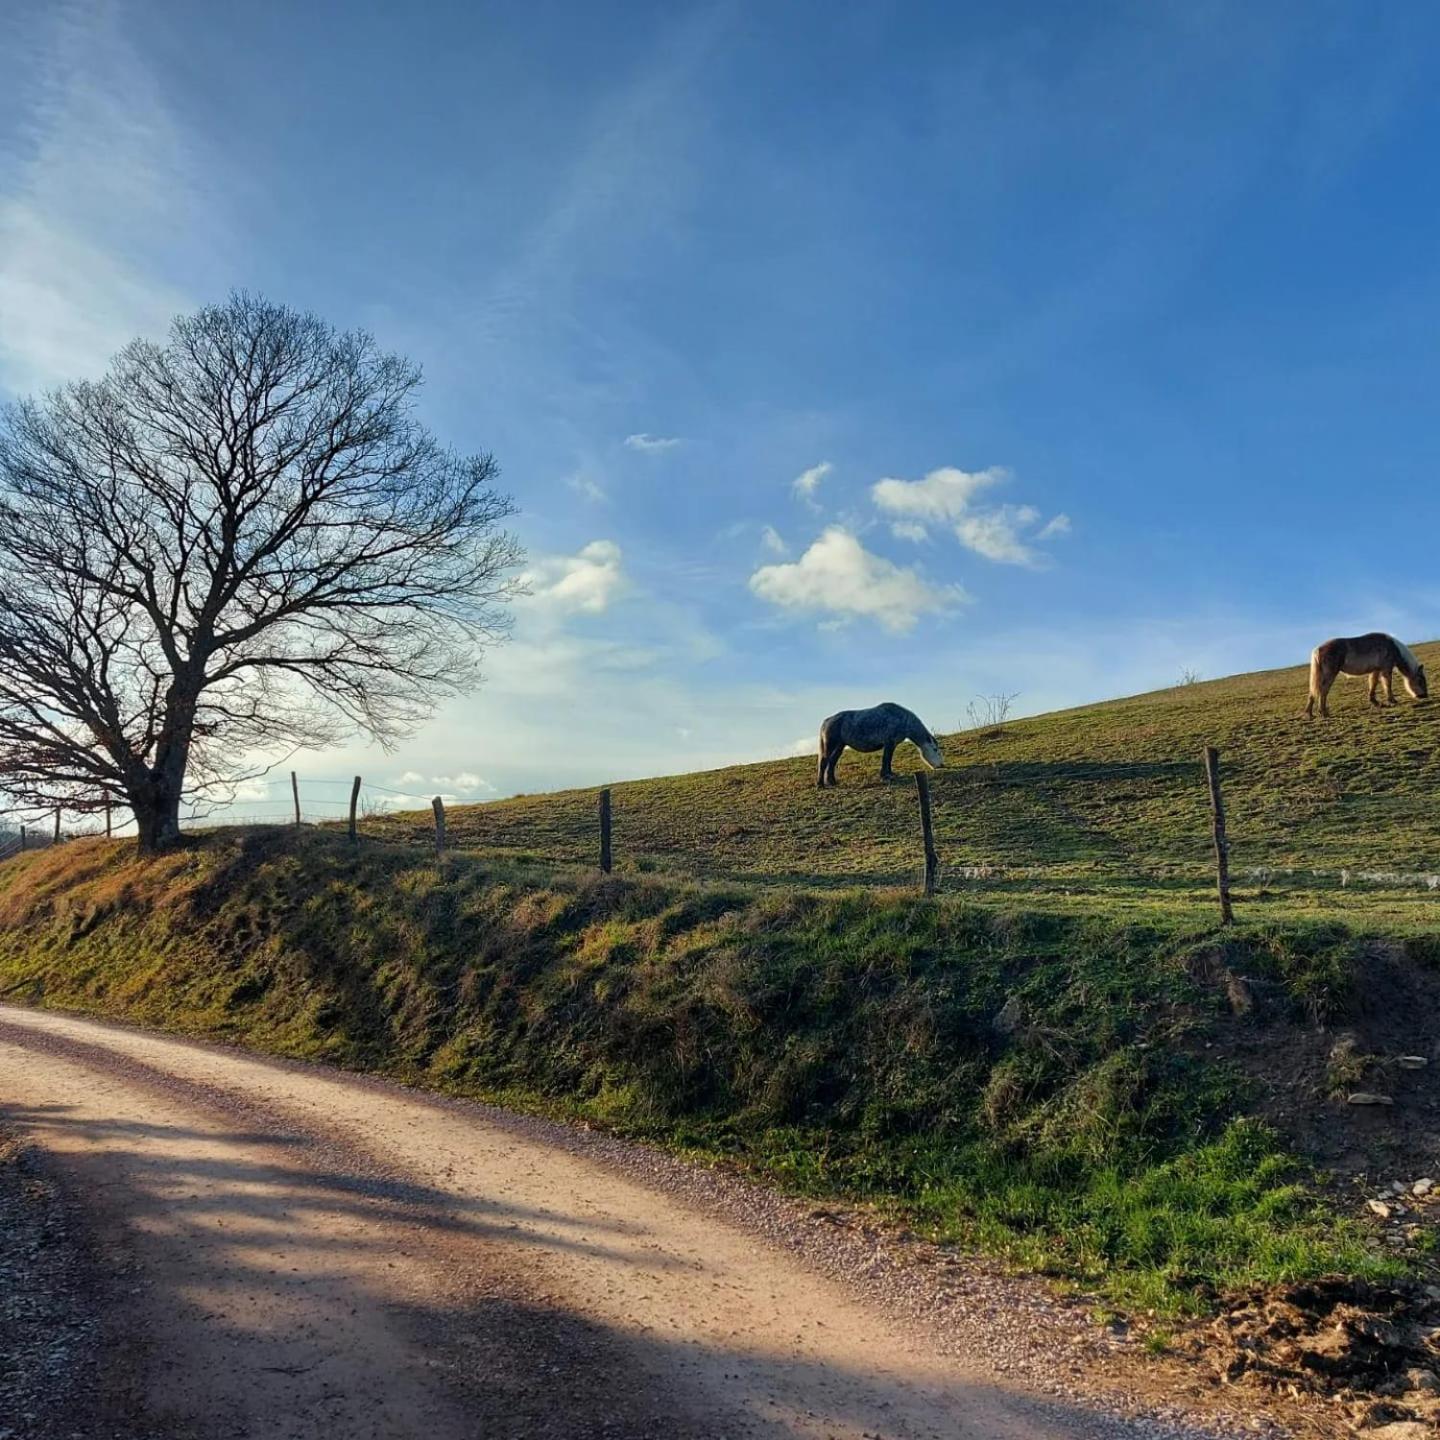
[(1106, 335)]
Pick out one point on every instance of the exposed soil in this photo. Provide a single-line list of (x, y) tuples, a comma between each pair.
[(1307, 1078), (1372, 1351)]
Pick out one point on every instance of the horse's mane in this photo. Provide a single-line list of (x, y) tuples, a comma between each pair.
[(1408, 656)]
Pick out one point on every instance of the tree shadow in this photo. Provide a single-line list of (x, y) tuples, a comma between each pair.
[(268, 1282)]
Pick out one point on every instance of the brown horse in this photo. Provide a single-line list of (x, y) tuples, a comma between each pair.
[(1377, 656)]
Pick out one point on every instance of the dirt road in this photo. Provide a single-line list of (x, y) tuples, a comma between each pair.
[(303, 1253)]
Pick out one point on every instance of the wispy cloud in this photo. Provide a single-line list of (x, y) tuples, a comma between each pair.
[(772, 540), (583, 482), (652, 444), (1005, 534), (633, 163), (808, 482), (96, 201), (586, 582), (996, 534), (838, 577)]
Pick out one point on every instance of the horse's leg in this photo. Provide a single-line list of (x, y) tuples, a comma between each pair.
[(886, 773), (1374, 678), (1389, 687)]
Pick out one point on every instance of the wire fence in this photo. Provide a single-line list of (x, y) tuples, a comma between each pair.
[(1145, 827)]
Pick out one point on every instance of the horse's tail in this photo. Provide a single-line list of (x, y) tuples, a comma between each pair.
[(1315, 675)]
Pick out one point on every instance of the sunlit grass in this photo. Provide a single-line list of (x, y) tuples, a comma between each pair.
[(1101, 809)]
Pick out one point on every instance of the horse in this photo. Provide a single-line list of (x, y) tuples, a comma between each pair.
[(1376, 656), (882, 727)]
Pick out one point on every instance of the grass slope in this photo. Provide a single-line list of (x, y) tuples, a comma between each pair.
[(1104, 804), (1051, 1085)]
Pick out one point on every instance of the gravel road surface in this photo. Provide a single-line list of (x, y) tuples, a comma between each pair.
[(298, 1252)]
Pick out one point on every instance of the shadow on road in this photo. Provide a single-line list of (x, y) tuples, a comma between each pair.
[(266, 1279)]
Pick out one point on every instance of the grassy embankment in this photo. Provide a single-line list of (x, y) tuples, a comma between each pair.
[(1045, 1061)]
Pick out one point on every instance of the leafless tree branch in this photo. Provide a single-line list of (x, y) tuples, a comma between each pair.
[(236, 542)]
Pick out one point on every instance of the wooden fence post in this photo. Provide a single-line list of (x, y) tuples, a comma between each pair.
[(107, 814), (604, 832), (1222, 845), (354, 801), (22, 839), (295, 789), (57, 824), (439, 807), (932, 860)]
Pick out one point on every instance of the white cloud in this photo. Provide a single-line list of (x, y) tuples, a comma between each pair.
[(808, 482), (943, 494), (837, 576), (585, 582), (806, 745), (1005, 534), (651, 444), (771, 539), (410, 777), (465, 782)]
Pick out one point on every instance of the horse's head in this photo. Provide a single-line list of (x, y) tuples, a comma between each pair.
[(930, 749), (1416, 685)]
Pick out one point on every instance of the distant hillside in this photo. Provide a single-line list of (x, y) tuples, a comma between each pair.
[(1108, 796)]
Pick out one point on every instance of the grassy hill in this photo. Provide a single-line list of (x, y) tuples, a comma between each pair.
[(1064, 1059), (1104, 801)]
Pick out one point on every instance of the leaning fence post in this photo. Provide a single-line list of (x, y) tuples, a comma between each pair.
[(295, 788), (439, 807), (57, 824), (1222, 845), (22, 837), (605, 832), (354, 801), (932, 860), (107, 814)]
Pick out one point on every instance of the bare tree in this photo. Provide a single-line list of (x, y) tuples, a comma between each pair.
[(236, 543)]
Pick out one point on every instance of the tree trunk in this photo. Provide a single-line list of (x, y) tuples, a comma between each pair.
[(156, 799), (157, 818)]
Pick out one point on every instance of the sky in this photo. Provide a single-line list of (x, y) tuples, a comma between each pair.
[(833, 354)]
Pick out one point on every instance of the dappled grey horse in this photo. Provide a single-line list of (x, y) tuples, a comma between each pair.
[(882, 727)]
